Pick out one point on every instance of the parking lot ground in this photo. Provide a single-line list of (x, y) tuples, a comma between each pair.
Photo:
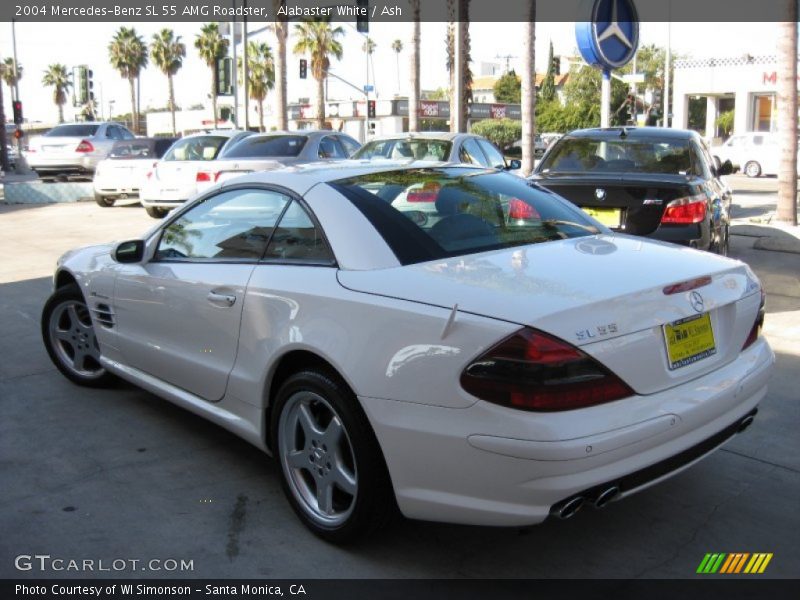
[(118, 473)]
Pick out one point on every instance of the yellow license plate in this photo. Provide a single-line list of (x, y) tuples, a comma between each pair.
[(610, 217), (689, 340)]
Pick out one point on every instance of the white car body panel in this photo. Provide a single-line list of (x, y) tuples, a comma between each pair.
[(396, 337), (114, 177)]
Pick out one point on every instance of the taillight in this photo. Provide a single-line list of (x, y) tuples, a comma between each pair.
[(149, 174), (428, 193), (759, 323), (685, 211), (85, 146), (519, 209), (203, 176), (534, 371)]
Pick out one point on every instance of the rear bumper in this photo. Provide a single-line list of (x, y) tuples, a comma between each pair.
[(62, 164), (695, 236), (489, 465)]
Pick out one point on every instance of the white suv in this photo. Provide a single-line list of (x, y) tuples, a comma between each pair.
[(754, 152)]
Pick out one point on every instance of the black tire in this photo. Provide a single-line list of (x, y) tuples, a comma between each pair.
[(156, 212), (352, 514), (68, 335), (752, 169), (103, 201)]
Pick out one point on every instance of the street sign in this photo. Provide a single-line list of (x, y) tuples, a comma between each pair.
[(369, 88), (610, 38)]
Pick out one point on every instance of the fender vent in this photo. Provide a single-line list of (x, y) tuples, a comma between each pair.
[(104, 315)]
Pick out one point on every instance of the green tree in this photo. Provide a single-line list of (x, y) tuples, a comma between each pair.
[(9, 75), (128, 54), (56, 77), (281, 27), (261, 75), (582, 98), (168, 52), (211, 46), (502, 132), (414, 91), (397, 47), (548, 90), (369, 46), (725, 122), (508, 88), (319, 40), (459, 104)]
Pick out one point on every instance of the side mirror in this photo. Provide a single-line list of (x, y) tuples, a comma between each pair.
[(725, 168), (513, 165), (131, 251)]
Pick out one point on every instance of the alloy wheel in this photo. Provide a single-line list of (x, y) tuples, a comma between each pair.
[(73, 339)]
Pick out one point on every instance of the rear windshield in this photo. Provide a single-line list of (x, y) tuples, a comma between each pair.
[(140, 148), (267, 147), (580, 154), (427, 214), (438, 150), (74, 130), (201, 147)]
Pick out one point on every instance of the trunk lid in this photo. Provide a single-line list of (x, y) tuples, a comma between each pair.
[(632, 203), (587, 291), (55, 145)]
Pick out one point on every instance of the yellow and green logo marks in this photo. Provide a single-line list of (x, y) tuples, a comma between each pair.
[(734, 563)]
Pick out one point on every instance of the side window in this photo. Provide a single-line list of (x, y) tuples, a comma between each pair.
[(350, 145), (296, 238), (496, 159), (471, 153), (111, 132), (329, 147), (699, 166), (758, 140), (233, 225)]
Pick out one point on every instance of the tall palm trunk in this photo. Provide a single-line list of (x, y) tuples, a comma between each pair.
[(60, 113), (787, 116), (261, 115), (172, 103), (214, 97), (320, 102), (280, 70), (134, 113), (529, 91), (413, 97)]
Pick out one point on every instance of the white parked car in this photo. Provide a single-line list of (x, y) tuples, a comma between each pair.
[(126, 168), (174, 178), (756, 153), (485, 368)]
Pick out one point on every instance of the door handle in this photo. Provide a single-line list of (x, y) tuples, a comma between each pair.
[(224, 300)]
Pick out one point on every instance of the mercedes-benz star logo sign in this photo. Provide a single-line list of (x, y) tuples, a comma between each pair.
[(600, 194), (615, 31), (696, 300)]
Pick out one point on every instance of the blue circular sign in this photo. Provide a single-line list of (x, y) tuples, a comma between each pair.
[(610, 39)]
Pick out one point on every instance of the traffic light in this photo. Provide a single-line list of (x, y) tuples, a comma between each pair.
[(223, 76), (18, 134), (303, 68), (371, 109), (17, 106), (362, 17), (85, 92), (90, 85)]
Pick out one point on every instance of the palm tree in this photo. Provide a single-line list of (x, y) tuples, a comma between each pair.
[(414, 92), (261, 75), (168, 52), (281, 33), (212, 47), (128, 54), (369, 46), (318, 39), (459, 9), (787, 117), (529, 91), (56, 76), (397, 46), (10, 75)]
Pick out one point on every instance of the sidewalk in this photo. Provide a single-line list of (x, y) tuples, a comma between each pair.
[(768, 233)]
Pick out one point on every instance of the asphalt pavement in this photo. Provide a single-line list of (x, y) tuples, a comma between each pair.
[(120, 474)]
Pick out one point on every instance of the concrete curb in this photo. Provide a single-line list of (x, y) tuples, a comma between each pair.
[(774, 237), (46, 193)]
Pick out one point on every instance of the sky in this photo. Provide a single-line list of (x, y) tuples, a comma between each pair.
[(40, 44)]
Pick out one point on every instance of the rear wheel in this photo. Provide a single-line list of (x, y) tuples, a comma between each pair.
[(723, 242), (103, 201), (752, 169), (334, 475), (156, 212), (69, 338)]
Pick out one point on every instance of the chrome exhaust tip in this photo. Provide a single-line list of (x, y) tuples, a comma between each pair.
[(568, 508), (745, 423), (605, 496)]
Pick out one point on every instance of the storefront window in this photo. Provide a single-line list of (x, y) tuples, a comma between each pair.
[(763, 113)]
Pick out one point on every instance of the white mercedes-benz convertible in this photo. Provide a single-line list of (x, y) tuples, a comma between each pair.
[(452, 341)]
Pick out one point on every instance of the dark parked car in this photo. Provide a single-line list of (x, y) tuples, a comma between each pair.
[(649, 181)]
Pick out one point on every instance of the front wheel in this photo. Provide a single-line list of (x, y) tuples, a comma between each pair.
[(68, 334), (723, 242), (103, 201), (334, 475), (752, 169), (156, 212)]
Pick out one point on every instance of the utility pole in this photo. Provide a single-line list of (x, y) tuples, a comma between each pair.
[(667, 61), (3, 147), (245, 78), (235, 113), (605, 99)]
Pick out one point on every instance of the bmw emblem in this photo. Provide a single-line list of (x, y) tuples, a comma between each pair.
[(600, 194), (696, 300)]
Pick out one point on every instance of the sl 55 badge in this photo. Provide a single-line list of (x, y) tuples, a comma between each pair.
[(599, 331)]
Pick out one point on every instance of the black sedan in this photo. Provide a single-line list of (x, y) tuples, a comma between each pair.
[(654, 182)]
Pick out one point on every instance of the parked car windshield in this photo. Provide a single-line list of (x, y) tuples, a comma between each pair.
[(201, 147), (419, 149), (427, 214), (272, 146), (622, 155), (72, 130)]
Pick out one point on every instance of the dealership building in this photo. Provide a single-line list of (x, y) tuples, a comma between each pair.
[(746, 85)]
